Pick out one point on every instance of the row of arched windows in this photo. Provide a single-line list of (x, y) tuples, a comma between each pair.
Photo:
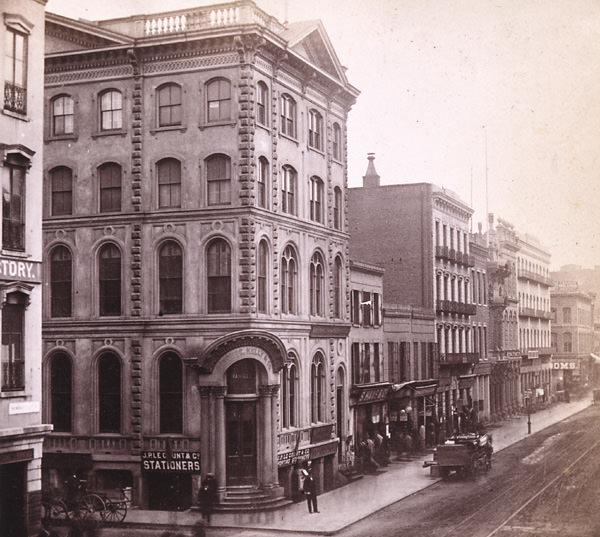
[(218, 261), (218, 177), (169, 112), (109, 396)]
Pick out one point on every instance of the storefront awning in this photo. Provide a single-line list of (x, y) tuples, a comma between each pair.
[(465, 381), (419, 388), (370, 393)]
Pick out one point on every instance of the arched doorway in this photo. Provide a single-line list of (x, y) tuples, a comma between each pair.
[(241, 422)]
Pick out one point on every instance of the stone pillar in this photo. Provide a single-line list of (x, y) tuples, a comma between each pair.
[(220, 447), (269, 454), (205, 430)]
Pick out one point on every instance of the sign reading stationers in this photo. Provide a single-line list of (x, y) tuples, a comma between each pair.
[(180, 462)]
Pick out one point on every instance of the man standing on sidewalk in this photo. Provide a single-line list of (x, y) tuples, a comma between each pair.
[(310, 489)]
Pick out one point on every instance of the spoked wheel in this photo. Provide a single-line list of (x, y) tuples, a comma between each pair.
[(54, 510), (115, 511), (92, 508)]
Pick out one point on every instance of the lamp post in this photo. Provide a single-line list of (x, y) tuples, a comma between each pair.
[(528, 405)]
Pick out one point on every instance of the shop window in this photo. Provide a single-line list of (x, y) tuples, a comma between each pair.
[(61, 392), (171, 393), (61, 282), (170, 275), (109, 394), (219, 276)]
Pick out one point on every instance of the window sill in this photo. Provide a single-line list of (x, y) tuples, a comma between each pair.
[(15, 253), (263, 127), (227, 123), (62, 137), (16, 393), (288, 137), (16, 115), (315, 150), (167, 128), (116, 132)]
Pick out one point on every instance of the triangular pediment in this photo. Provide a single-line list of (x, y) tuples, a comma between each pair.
[(309, 40), (69, 35)]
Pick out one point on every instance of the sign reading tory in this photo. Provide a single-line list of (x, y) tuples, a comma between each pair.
[(20, 270)]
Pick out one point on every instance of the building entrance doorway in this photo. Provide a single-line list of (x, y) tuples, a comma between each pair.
[(241, 443), (12, 499)]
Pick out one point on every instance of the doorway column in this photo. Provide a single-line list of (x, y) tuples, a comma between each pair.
[(274, 432), (220, 425), (268, 407)]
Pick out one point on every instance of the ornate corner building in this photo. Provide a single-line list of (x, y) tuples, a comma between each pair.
[(196, 253)]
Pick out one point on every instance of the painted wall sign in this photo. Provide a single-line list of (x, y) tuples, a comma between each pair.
[(18, 270), (564, 365), (181, 462), (292, 457), (28, 407)]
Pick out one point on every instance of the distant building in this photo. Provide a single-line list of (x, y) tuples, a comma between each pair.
[(588, 280), (21, 174), (426, 289), (572, 337), (196, 253)]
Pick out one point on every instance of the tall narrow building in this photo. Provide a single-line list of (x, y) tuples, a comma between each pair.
[(21, 171), (196, 245)]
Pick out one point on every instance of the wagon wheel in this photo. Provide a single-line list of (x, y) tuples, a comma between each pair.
[(54, 510), (92, 508), (115, 510)]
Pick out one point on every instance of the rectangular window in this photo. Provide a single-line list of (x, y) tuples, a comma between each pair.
[(367, 307), (218, 171), (111, 110), (366, 364), (404, 361), (355, 307), (13, 207), (15, 75), (376, 359), (376, 309), (110, 188), (355, 363), (13, 359)]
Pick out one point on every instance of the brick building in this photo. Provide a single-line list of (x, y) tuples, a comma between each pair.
[(196, 253)]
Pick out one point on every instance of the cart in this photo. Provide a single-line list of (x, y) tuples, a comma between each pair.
[(465, 454)]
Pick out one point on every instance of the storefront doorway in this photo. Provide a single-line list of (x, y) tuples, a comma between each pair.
[(12, 499)]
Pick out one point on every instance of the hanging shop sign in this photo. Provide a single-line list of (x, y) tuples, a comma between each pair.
[(292, 457), (181, 462), (22, 271), (565, 365)]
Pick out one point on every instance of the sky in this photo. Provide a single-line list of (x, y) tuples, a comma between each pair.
[(498, 101)]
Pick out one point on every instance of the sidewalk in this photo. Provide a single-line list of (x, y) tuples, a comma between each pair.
[(339, 507)]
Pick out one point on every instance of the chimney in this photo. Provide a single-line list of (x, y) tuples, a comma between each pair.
[(371, 179)]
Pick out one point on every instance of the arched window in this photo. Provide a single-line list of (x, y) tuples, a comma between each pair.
[(337, 208), (289, 385), (316, 284), (169, 105), (170, 278), (315, 130), (338, 279), (317, 388), (262, 263), (61, 392), (288, 115), (219, 276), (60, 282), (288, 190), (109, 276), (109, 181), (171, 393), (61, 179), (111, 110), (262, 183), (168, 171), (316, 199), (289, 274), (262, 100), (336, 145), (218, 100), (218, 179), (109, 394), (62, 115)]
